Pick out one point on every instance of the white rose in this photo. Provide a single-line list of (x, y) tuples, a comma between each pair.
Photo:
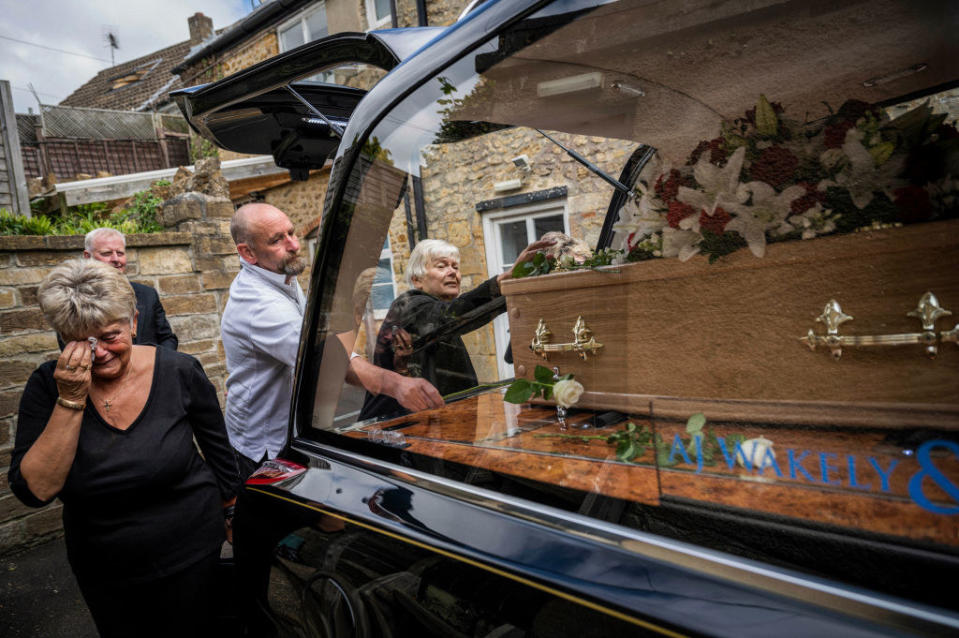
[(755, 451), (567, 392)]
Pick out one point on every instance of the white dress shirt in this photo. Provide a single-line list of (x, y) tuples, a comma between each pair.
[(261, 334)]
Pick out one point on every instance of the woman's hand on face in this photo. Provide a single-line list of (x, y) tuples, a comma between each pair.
[(72, 373), (528, 253)]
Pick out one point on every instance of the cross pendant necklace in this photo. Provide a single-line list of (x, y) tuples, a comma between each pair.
[(108, 403)]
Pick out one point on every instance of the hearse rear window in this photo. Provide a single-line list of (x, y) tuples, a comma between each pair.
[(741, 333)]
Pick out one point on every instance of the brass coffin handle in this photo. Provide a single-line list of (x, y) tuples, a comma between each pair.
[(583, 341), (928, 311)]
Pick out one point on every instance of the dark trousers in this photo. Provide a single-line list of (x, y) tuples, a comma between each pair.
[(181, 604)]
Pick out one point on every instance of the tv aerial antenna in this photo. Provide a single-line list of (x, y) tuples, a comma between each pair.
[(110, 35)]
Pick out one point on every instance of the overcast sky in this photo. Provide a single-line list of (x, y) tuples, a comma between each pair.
[(77, 30)]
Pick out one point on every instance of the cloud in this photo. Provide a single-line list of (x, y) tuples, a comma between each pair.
[(142, 26)]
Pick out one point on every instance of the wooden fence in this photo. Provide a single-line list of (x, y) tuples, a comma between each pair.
[(66, 158)]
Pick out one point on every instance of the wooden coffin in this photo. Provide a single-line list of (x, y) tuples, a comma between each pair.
[(857, 479), (738, 331)]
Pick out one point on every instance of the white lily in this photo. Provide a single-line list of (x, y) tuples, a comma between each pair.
[(641, 217), (680, 243), (814, 221), (766, 211), (717, 186), (861, 177)]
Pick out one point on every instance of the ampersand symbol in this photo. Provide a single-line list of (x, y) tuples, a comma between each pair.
[(929, 469)]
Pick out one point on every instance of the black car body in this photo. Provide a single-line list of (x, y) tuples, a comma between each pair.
[(437, 523)]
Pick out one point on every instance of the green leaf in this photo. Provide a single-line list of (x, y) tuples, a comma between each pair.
[(547, 391), (520, 391), (695, 423), (662, 454), (882, 152), (523, 269), (543, 374), (766, 121)]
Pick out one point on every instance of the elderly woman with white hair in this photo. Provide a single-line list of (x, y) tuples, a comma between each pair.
[(109, 429), (421, 334)]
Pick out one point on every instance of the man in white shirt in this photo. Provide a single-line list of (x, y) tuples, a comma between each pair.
[(261, 335)]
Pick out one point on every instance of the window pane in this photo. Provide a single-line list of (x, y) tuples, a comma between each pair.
[(383, 284), (512, 239), (382, 8), (543, 225), (316, 24), (291, 37), (384, 273), (382, 296)]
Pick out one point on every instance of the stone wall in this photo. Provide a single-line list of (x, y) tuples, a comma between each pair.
[(301, 201)]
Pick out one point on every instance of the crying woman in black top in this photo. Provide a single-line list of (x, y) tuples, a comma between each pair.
[(108, 428)]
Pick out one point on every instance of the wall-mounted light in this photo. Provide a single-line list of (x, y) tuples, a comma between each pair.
[(508, 185), (522, 163)]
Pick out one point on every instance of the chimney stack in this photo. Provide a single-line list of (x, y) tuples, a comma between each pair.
[(201, 27)]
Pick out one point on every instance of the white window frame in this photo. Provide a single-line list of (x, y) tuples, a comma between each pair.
[(301, 18), (494, 258), (371, 17)]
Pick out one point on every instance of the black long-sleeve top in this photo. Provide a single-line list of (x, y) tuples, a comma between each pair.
[(446, 363), (139, 503)]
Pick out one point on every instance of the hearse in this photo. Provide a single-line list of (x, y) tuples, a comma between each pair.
[(753, 291)]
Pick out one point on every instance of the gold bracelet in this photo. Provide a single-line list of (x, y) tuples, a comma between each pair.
[(73, 405)]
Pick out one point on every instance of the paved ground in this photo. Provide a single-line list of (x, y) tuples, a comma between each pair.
[(39, 597)]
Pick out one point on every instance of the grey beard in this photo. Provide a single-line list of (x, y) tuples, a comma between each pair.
[(294, 266)]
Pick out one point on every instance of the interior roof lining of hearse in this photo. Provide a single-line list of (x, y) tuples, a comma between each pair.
[(709, 62)]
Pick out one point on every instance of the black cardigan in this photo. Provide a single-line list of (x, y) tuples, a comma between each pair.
[(445, 362)]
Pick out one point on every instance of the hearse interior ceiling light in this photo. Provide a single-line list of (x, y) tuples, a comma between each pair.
[(571, 84), (627, 89), (896, 75)]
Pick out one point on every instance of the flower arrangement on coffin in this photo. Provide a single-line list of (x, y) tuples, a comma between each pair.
[(768, 178)]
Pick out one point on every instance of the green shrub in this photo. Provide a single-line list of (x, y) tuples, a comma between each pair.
[(138, 216), (13, 224), (201, 147)]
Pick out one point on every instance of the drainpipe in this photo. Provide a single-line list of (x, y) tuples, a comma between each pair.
[(410, 231), (419, 208), (421, 13)]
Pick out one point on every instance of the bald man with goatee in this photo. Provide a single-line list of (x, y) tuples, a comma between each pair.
[(261, 332)]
